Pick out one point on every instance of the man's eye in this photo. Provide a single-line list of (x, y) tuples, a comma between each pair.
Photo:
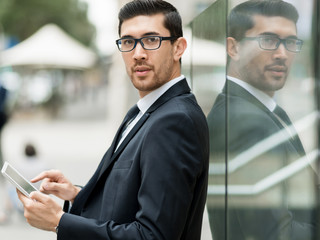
[(270, 40), (152, 39), (291, 41), (127, 41)]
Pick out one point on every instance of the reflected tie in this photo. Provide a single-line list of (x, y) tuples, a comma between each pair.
[(287, 124), (282, 115)]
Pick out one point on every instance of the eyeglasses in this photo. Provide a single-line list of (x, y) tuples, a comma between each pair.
[(148, 43), (273, 42)]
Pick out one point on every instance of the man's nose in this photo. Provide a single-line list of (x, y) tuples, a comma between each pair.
[(139, 52), (281, 52)]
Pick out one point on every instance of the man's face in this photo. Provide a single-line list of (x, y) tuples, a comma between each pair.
[(149, 69), (266, 70)]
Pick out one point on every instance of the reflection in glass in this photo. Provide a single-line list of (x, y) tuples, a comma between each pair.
[(268, 152), (272, 42)]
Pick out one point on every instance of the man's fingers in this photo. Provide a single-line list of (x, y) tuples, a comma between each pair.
[(52, 175), (44, 183), (51, 186), (38, 196), (21, 196), (41, 176)]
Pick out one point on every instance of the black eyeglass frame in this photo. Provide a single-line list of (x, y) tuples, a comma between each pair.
[(280, 40), (136, 40)]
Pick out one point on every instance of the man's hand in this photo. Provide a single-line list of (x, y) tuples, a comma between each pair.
[(41, 211), (54, 182)]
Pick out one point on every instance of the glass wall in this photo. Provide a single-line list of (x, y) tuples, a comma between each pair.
[(255, 76)]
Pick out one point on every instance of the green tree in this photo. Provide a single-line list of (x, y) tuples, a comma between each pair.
[(22, 18)]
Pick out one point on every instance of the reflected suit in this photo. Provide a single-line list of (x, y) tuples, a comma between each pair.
[(155, 185), (250, 122)]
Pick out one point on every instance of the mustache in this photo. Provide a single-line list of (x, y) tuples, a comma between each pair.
[(277, 66), (142, 64)]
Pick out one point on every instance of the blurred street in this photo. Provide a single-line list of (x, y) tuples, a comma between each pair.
[(74, 147)]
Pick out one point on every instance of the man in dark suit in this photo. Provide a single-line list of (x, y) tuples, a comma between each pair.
[(252, 135), (152, 182)]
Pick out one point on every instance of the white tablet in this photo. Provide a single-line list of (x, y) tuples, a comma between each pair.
[(17, 179)]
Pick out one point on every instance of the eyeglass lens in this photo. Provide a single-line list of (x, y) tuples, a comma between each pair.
[(272, 43), (148, 43)]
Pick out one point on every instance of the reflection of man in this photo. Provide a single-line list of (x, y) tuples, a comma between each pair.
[(152, 184), (262, 43)]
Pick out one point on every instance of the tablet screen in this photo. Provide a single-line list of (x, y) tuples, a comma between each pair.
[(20, 180)]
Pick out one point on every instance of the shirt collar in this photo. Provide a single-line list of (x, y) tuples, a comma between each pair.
[(265, 99), (146, 102)]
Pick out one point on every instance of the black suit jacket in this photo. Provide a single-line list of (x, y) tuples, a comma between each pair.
[(155, 185), (237, 122)]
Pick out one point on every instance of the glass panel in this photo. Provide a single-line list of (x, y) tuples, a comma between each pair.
[(271, 155), (206, 65)]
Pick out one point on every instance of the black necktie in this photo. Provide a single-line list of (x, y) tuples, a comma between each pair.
[(130, 116), (286, 124)]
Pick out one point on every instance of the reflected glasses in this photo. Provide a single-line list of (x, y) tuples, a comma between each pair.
[(273, 42), (148, 43)]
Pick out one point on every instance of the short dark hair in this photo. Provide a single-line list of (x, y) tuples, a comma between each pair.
[(240, 18), (136, 8)]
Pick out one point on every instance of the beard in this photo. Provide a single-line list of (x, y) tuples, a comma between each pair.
[(155, 78)]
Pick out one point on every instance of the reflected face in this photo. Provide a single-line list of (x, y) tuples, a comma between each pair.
[(149, 69), (266, 70)]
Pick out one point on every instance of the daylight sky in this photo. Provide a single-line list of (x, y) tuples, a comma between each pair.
[(103, 14)]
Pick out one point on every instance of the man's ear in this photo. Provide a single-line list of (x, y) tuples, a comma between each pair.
[(179, 47), (233, 48)]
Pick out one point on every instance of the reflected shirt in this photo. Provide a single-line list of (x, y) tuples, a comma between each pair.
[(265, 99)]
